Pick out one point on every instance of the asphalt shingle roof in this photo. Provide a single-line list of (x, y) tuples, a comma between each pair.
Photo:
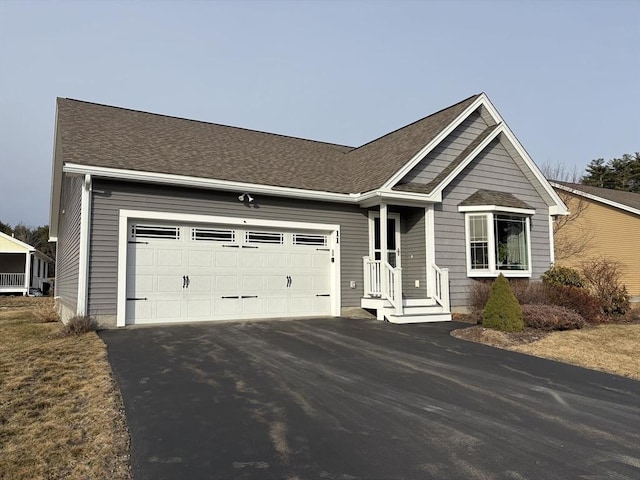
[(492, 197), (630, 199), (113, 137)]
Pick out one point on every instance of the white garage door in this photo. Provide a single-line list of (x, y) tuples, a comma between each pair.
[(178, 273)]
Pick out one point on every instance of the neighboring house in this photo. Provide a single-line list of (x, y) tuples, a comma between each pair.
[(21, 266), (609, 224), (163, 219)]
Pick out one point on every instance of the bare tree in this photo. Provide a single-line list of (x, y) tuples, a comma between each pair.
[(572, 234)]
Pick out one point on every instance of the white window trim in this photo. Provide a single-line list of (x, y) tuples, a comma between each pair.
[(492, 271)]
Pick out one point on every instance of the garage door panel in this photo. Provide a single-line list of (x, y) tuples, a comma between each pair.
[(227, 258), (169, 284), (199, 283), (169, 309), (169, 257), (139, 257), (141, 310), (199, 258), (252, 283), (141, 283), (301, 304), (199, 308), (252, 306), (321, 284), (301, 282), (226, 283), (276, 259), (300, 260), (253, 259), (227, 307), (275, 283), (276, 306), (321, 260)]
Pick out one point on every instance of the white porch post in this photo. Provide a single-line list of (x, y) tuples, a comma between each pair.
[(430, 245), (27, 271), (383, 232)]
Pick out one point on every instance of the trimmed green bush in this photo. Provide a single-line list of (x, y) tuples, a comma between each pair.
[(563, 277), (502, 312)]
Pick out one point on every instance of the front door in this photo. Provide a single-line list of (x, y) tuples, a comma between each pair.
[(392, 254)]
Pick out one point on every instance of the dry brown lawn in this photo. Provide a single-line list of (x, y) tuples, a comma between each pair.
[(609, 348), (61, 413)]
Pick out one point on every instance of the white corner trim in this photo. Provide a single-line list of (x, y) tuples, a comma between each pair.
[(596, 198), (125, 216), (552, 253), (85, 238), (431, 145), (495, 208)]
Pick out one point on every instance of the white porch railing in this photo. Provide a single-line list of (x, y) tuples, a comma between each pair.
[(441, 287), (381, 280), (11, 279)]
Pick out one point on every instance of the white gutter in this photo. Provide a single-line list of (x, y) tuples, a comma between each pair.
[(230, 186)]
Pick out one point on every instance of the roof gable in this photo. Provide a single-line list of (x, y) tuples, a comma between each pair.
[(16, 242)]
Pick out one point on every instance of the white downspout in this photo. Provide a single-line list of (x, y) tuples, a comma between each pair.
[(83, 264)]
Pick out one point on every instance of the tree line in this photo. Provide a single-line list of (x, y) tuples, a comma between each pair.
[(617, 173)]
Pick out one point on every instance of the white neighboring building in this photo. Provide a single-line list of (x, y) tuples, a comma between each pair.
[(21, 266)]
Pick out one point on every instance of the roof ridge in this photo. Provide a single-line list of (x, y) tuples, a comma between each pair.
[(208, 123), (415, 122)]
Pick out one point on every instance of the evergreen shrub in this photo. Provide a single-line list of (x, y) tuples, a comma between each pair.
[(502, 312)]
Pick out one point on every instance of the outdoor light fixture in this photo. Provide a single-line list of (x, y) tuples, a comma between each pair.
[(245, 197)]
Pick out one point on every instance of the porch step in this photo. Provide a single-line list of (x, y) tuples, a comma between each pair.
[(417, 314)]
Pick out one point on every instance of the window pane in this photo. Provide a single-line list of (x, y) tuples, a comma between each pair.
[(479, 242), (511, 243)]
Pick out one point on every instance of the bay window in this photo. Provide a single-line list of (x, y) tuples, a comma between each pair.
[(498, 242)]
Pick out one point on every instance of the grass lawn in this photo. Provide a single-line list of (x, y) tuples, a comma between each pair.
[(610, 348), (61, 413)]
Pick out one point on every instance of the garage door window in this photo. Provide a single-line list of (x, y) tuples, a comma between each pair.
[(264, 237), (309, 239), (155, 231), (212, 235)]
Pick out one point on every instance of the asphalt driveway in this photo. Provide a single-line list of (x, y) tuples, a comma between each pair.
[(359, 399)]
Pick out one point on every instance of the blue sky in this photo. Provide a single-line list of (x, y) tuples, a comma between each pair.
[(565, 75)]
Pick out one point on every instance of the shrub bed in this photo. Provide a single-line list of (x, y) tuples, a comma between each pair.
[(551, 317)]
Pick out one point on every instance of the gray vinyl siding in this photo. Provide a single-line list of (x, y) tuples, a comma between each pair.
[(448, 150), (493, 169), (110, 197), (68, 246), (413, 252)]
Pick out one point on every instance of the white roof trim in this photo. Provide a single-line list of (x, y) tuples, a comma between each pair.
[(495, 208), (407, 167), (26, 246), (559, 208), (374, 196), (596, 198), (213, 184)]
